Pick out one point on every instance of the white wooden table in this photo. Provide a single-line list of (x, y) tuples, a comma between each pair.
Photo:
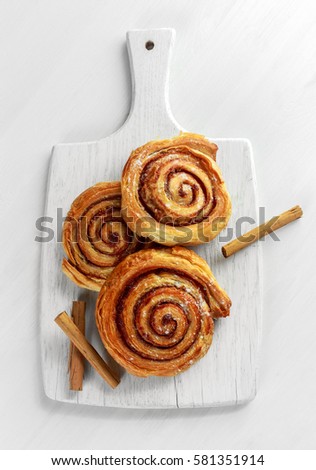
[(239, 69)]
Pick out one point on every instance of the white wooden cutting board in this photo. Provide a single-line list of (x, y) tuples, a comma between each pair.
[(227, 375)]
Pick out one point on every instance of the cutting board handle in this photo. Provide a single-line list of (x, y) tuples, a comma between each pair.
[(149, 54)]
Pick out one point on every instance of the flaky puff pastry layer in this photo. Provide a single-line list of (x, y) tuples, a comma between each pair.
[(155, 311), (173, 191), (95, 236)]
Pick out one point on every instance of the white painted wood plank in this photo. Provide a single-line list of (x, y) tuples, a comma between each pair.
[(227, 374), (64, 79)]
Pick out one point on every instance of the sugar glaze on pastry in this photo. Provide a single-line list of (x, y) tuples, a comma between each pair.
[(155, 312), (173, 191), (95, 236)]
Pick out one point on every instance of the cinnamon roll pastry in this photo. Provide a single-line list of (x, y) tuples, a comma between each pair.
[(155, 313), (173, 191), (95, 236)]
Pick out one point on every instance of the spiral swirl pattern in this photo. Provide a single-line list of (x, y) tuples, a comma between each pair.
[(173, 191), (95, 236), (155, 312)]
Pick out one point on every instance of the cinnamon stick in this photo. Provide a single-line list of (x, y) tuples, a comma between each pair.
[(76, 359), (264, 229), (86, 349)]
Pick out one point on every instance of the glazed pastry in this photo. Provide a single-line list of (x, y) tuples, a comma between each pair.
[(155, 311), (95, 237), (173, 191)]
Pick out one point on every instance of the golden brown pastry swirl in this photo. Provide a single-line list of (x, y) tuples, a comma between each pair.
[(173, 191), (155, 311), (95, 236)]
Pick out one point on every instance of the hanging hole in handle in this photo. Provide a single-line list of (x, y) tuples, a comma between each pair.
[(149, 45)]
